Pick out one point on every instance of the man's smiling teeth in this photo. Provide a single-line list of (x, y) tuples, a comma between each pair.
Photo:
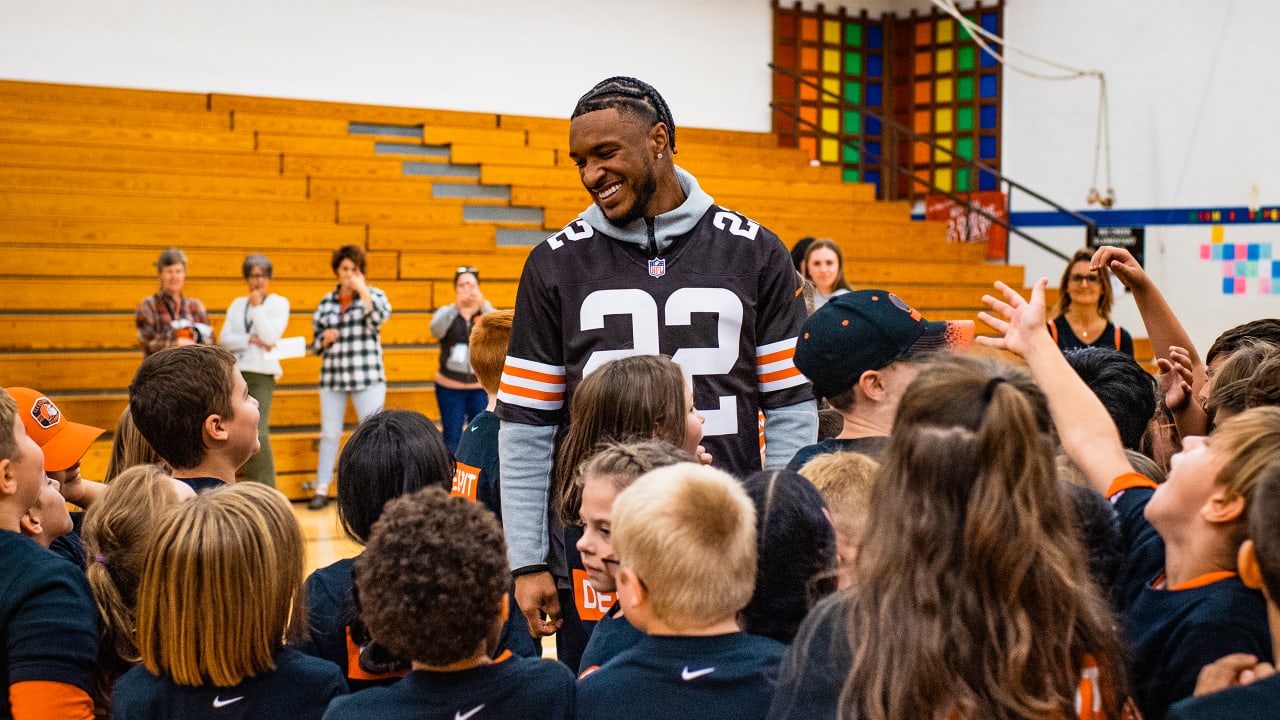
[(609, 191)]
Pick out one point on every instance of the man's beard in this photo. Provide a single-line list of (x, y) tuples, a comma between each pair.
[(643, 194)]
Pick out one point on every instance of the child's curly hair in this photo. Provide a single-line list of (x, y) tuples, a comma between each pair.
[(433, 578)]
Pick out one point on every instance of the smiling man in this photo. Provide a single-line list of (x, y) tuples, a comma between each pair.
[(653, 266)]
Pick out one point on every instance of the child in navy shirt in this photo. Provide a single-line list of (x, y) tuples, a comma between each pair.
[(433, 589), (685, 538), (1241, 686)]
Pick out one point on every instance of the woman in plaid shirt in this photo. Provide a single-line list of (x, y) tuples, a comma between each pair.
[(346, 335)]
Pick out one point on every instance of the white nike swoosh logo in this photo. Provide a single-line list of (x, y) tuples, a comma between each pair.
[(220, 703), (461, 716), (688, 674)]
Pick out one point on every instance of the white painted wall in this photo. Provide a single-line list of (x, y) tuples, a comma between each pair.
[(1191, 85), (709, 58)]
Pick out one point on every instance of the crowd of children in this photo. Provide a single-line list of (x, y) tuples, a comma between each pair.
[(972, 569)]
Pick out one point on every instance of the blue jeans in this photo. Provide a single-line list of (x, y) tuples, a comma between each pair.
[(457, 408), (333, 408)]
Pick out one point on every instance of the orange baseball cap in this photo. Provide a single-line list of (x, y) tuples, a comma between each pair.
[(63, 441)]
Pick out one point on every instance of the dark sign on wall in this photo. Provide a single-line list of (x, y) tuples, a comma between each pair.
[(1129, 238)]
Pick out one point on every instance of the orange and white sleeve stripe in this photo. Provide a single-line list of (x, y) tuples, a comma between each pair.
[(776, 366), (533, 385)]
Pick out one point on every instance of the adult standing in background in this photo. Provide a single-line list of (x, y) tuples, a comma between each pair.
[(1083, 315), (346, 326), (458, 391), (824, 267), (254, 324), (169, 318)]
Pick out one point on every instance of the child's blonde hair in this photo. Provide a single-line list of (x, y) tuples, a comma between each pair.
[(117, 531), (688, 532), (129, 448), (221, 585), (845, 480), (1248, 441)]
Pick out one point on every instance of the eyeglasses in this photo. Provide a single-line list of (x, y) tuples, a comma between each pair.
[(464, 269), (1078, 279)]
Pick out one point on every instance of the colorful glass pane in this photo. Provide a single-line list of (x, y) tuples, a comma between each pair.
[(942, 120), (942, 90), (853, 34)]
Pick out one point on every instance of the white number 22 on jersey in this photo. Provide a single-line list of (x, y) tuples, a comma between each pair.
[(679, 310)]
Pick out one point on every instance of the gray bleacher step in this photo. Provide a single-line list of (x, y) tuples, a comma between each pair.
[(363, 128), (526, 238), (434, 169), (393, 148), (501, 213), (468, 191)]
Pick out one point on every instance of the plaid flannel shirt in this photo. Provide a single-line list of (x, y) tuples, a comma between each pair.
[(155, 323), (354, 360)]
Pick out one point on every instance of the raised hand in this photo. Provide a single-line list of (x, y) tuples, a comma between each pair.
[(1122, 263), (1020, 322), (1176, 378)]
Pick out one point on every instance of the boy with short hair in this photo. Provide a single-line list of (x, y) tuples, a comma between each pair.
[(49, 636), (427, 546), (194, 408), (476, 475), (1224, 690), (685, 538)]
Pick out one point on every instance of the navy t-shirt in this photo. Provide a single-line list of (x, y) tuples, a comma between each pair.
[(300, 687), (872, 447), (1173, 633), (1260, 699), (672, 678), (515, 687), (477, 473), (201, 483), (48, 622), (611, 637)]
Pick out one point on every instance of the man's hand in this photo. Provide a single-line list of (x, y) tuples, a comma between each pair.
[(536, 596), (1231, 671)]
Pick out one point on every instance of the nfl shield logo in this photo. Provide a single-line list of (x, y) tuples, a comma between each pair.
[(658, 267)]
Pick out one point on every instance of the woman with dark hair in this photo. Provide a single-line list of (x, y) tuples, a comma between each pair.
[(458, 390), (254, 324), (1083, 315), (169, 318), (347, 325), (824, 267)]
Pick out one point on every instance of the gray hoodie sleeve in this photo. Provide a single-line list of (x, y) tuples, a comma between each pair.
[(524, 461), (442, 319), (786, 430)]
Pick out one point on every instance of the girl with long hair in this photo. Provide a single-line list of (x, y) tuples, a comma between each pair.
[(971, 595), (824, 266)]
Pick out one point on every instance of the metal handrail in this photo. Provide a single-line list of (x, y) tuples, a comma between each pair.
[(913, 137)]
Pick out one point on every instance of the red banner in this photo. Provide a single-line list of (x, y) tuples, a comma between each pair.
[(982, 230)]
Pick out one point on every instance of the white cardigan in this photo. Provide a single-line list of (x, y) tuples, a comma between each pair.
[(267, 321)]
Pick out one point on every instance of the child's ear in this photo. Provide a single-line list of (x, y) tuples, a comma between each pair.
[(1247, 566), (1224, 507), (8, 478), (30, 524), (215, 429)]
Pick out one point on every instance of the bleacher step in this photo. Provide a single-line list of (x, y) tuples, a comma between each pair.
[(430, 169), (395, 148), (468, 191), (500, 213), (385, 130), (526, 238)]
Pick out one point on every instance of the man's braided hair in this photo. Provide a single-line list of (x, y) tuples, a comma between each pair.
[(629, 95)]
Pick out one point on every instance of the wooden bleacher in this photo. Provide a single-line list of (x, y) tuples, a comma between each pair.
[(94, 182)]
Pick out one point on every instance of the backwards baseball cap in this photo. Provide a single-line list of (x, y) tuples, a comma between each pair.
[(62, 441), (867, 330)]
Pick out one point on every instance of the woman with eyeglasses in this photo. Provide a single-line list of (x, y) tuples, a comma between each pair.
[(1083, 315), (458, 391), (254, 324)]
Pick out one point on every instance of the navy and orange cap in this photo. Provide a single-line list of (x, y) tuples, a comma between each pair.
[(867, 330), (62, 441)]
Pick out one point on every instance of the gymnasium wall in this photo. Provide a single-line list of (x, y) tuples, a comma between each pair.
[(1191, 89)]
